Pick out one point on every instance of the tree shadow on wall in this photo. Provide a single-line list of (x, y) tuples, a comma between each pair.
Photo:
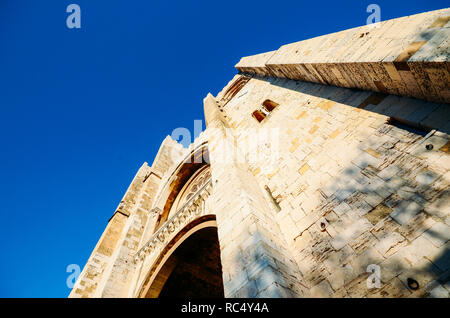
[(387, 207)]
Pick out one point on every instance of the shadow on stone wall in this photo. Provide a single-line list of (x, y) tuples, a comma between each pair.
[(261, 269), (386, 207)]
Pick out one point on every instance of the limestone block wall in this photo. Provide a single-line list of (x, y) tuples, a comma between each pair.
[(352, 188)]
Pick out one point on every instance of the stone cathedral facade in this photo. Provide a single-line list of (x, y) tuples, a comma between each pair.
[(324, 171)]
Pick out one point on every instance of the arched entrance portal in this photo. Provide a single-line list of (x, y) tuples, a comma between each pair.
[(192, 270)]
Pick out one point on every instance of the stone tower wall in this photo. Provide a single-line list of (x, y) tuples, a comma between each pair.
[(353, 190)]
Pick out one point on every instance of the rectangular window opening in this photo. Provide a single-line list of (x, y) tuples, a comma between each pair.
[(259, 115), (269, 105)]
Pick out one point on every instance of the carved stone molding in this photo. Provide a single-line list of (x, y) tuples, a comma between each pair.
[(191, 209)]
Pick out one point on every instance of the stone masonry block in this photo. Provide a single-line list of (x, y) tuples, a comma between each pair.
[(380, 212), (438, 234), (418, 249), (321, 290), (405, 211), (346, 236), (390, 244)]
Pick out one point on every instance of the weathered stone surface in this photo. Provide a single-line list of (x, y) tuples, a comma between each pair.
[(390, 243), (351, 233), (393, 289), (416, 226), (378, 213), (405, 211), (322, 289), (438, 234), (423, 273)]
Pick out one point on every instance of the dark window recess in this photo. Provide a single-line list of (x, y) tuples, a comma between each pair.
[(158, 221), (259, 115), (265, 109), (269, 105), (409, 126)]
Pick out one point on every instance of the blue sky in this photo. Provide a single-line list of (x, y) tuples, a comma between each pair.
[(81, 110)]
